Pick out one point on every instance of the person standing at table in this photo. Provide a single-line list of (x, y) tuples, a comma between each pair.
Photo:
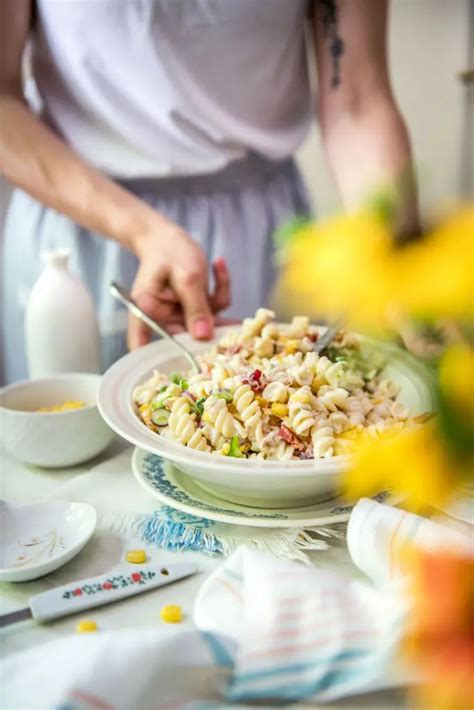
[(163, 147)]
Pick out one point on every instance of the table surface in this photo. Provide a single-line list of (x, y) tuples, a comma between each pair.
[(24, 484)]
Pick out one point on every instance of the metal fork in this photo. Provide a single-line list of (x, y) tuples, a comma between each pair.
[(327, 337), (122, 295)]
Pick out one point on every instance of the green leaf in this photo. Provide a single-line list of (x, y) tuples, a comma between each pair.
[(455, 427), (199, 406), (285, 234)]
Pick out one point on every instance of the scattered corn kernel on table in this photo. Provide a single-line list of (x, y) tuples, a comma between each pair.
[(107, 483)]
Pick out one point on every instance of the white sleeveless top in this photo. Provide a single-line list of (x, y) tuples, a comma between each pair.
[(144, 88)]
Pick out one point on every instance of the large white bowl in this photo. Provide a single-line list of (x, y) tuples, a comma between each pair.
[(270, 483), (53, 439)]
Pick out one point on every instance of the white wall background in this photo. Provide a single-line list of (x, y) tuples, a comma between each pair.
[(428, 46)]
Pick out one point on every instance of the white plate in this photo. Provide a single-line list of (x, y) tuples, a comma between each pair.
[(37, 539), (176, 489), (245, 481)]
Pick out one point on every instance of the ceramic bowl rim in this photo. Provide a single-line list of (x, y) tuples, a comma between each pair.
[(36, 380)]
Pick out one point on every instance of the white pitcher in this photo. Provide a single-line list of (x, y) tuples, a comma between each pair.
[(61, 329)]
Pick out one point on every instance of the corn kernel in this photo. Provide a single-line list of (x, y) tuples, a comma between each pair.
[(206, 418), (144, 407), (64, 407), (349, 435), (317, 383), (262, 401), (291, 347), (279, 409), (171, 613), (303, 397), (136, 556), (86, 627), (226, 449)]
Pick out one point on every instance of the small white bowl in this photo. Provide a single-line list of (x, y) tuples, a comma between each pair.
[(37, 539), (53, 439), (270, 484)]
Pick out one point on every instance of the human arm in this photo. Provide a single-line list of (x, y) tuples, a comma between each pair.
[(171, 283), (362, 130)]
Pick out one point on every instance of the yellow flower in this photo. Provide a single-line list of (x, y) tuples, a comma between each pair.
[(413, 463), (351, 266), (434, 275), (340, 267), (456, 378)]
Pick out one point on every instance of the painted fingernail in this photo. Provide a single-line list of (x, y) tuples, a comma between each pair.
[(201, 329)]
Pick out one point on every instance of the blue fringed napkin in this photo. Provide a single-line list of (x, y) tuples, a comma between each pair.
[(174, 530)]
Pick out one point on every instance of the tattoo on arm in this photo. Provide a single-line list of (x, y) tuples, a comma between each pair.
[(335, 41)]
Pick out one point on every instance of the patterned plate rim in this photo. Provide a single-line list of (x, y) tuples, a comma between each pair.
[(201, 509)]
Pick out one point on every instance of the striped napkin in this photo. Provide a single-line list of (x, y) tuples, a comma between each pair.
[(302, 633)]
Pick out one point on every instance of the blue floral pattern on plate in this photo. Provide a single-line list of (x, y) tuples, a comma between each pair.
[(380, 498), (154, 472)]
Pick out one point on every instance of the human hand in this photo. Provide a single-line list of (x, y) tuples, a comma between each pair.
[(171, 286)]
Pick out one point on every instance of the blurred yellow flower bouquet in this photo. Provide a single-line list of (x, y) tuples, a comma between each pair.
[(421, 293), (352, 267)]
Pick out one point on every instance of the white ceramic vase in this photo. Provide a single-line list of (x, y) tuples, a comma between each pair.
[(61, 328)]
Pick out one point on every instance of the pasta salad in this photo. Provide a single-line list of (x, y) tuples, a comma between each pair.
[(264, 393)]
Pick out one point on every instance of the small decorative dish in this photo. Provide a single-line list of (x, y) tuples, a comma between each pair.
[(37, 539)]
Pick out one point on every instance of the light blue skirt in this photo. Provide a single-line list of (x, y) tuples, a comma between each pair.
[(232, 214)]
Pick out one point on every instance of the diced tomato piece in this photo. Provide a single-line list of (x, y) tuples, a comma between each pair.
[(290, 438)]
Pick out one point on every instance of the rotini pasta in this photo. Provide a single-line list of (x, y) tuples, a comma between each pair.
[(264, 393), (181, 423), (219, 416), (247, 407)]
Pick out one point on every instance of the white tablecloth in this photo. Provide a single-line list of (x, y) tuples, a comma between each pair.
[(109, 484)]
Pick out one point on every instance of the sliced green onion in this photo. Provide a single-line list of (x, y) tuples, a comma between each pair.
[(235, 448), (161, 398), (175, 377), (183, 384), (160, 417), (224, 394)]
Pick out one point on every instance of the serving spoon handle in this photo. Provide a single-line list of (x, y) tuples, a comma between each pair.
[(122, 295)]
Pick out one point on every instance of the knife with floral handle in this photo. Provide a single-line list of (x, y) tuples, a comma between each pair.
[(97, 591)]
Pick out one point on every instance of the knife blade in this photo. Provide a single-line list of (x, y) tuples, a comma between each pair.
[(14, 616), (97, 591)]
